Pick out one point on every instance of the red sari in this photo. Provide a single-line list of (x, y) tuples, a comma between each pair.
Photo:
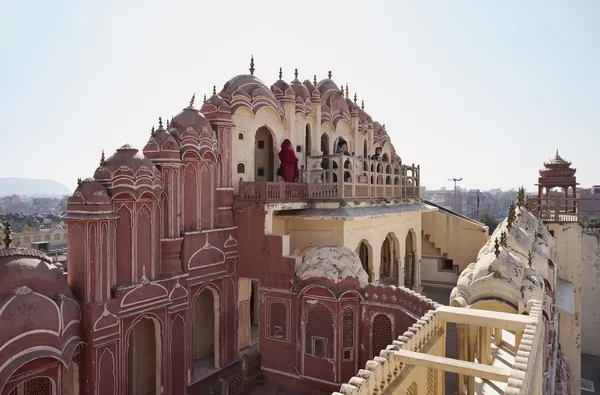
[(289, 162)]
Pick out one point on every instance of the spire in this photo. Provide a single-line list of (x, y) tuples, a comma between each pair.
[(521, 197), (160, 123), (362, 106), (7, 233), (79, 182), (503, 239), (204, 99), (496, 248), (511, 216), (295, 74), (102, 159), (315, 80), (152, 132), (214, 89), (167, 123), (252, 65), (557, 152), (329, 74), (280, 74), (347, 90), (192, 100)]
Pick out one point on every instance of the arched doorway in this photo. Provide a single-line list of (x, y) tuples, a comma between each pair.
[(409, 260), (365, 257), (205, 327), (254, 313), (307, 146), (264, 155), (365, 150), (389, 265), (143, 367)]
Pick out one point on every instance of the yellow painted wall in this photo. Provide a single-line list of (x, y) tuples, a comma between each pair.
[(458, 238)]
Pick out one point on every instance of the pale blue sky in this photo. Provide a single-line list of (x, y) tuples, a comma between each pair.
[(484, 90)]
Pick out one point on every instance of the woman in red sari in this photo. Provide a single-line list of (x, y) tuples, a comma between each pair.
[(289, 163)]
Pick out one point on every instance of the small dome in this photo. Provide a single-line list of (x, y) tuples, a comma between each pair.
[(190, 117), (215, 106), (33, 269), (162, 145), (315, 95), (250, 92), (335, 263), (128, 170), (326, 85), (90, 192), (283, 91), (126, 157), (300, 90)]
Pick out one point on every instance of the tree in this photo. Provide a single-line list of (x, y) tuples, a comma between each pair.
[(590, 222), (489, 220)]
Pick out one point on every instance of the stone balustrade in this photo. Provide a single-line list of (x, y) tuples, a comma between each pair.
[(400, 296), (339, 177), (526, 374), (379, 372)]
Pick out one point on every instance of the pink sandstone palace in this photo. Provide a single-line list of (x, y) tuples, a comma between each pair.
[(193, 270)]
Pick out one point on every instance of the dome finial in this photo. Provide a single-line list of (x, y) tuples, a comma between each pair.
[(152, 132), (192, 100), (167, 123), (346, 90), (102, 159), (557, 151), (79, 182), (160, 123), (315, 80), (355, 98), (214, 89), (362, 105), (329, 74), (7, 233), (204, 99), (252, 65), (296, 74), (530, 259), (280, 73), (496, 248)]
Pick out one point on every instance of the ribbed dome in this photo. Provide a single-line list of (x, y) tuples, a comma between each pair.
[(334, 263), (162, 145), (90, 192), (31, 268)]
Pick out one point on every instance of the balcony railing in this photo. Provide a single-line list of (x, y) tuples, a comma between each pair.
[(339, 177), (554, 209)]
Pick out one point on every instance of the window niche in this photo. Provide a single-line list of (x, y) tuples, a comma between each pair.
[(241, 168), (319, 347)]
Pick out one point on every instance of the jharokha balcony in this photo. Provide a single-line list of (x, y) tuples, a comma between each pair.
[(554, 209), (339, 177)]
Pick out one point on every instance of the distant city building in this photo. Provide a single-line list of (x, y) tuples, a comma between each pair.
[(494, 201)]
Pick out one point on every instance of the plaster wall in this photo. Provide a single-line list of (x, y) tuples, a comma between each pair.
[(590, 294), (247, 124), (455, 237), (569, 255), (432, 275), (422, 379), (375, 230)]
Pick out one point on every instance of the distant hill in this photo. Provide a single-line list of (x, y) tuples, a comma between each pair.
[(31, 187)]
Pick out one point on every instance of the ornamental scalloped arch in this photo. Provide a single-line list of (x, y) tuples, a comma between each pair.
[(217, 256)]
